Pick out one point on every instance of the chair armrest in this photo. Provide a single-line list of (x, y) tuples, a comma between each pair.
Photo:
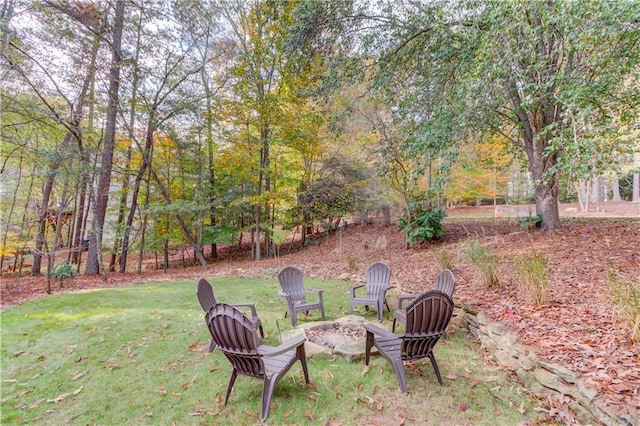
[(372, 328), (286, 346), (353, 289), (251, 306), (285, 295), (404, 298), (318, 293)]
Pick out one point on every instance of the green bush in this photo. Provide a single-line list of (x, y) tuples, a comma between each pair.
[(534, 277), (483, 262), (63, 271), (531, 222), (425, 225)]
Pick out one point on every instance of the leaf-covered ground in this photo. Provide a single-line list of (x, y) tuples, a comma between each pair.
[(579, 328)]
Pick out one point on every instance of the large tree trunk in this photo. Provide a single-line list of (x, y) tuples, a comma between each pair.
[(94, 257), (636, 188), (615, 186)]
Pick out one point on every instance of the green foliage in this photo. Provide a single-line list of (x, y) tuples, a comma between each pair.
[(627, 298), (424, 225), (534, 276), (326, 198), (63, 271), (483, 262), (531, 222)]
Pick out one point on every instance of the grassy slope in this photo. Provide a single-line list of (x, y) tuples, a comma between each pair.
[(138, 355)]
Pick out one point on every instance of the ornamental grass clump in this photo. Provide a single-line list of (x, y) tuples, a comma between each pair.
[(443, 259), (483, 262), (534, 276), (627, 300)]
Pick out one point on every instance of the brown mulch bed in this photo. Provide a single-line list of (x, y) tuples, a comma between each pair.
[(579, 328)]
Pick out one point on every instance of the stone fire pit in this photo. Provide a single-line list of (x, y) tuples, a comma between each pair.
[(343, 337)]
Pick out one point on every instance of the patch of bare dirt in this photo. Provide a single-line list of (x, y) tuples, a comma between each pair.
[(579, 328)]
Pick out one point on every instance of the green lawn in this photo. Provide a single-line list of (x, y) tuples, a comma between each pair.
[(138, 355)]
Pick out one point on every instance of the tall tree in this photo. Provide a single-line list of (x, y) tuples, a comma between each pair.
[(94, 256), (513, 67)]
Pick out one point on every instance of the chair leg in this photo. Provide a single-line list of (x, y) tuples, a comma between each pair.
[(261, 331), (435, 367), (367, 348), (393, 325), (232, 380), (267, 391), (322, 312), (302, 356), (294, 318), (212, 346), (399, 369)]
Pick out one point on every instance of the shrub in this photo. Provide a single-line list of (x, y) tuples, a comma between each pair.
[(63, 271), (627, 299), (483, 261), (534, 276), (425, 225), (531, 222)]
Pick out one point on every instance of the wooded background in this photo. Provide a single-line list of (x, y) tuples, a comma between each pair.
[(152, 126)]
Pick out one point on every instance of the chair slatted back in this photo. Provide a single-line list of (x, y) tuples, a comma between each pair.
[(205, 295), (378, 279), (236, 337), (445, 282), (292, 282), (428, 316)]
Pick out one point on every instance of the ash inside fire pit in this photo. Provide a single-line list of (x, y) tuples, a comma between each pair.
[(334, 334)]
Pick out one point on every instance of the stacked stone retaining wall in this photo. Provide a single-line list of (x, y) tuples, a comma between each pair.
[(541, 377)]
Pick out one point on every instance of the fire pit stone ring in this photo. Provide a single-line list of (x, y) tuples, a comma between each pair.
[(343, 337)]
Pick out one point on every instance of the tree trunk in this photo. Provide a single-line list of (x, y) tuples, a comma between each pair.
[(44, 207), (636, 188), (615, 186), (94, 257)]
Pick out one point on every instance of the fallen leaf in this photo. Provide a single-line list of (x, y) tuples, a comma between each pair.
[(148, 414), (473, 383), (452, 376), (18, 353), (185, 385), (41, 358), (162, 391), (463, 406), (193, 346)]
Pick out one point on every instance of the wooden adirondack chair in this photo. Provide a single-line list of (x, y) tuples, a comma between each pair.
[(292, 284), (428, 315), (378, 282), (238, 340), (445, 282), (208, 300)]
